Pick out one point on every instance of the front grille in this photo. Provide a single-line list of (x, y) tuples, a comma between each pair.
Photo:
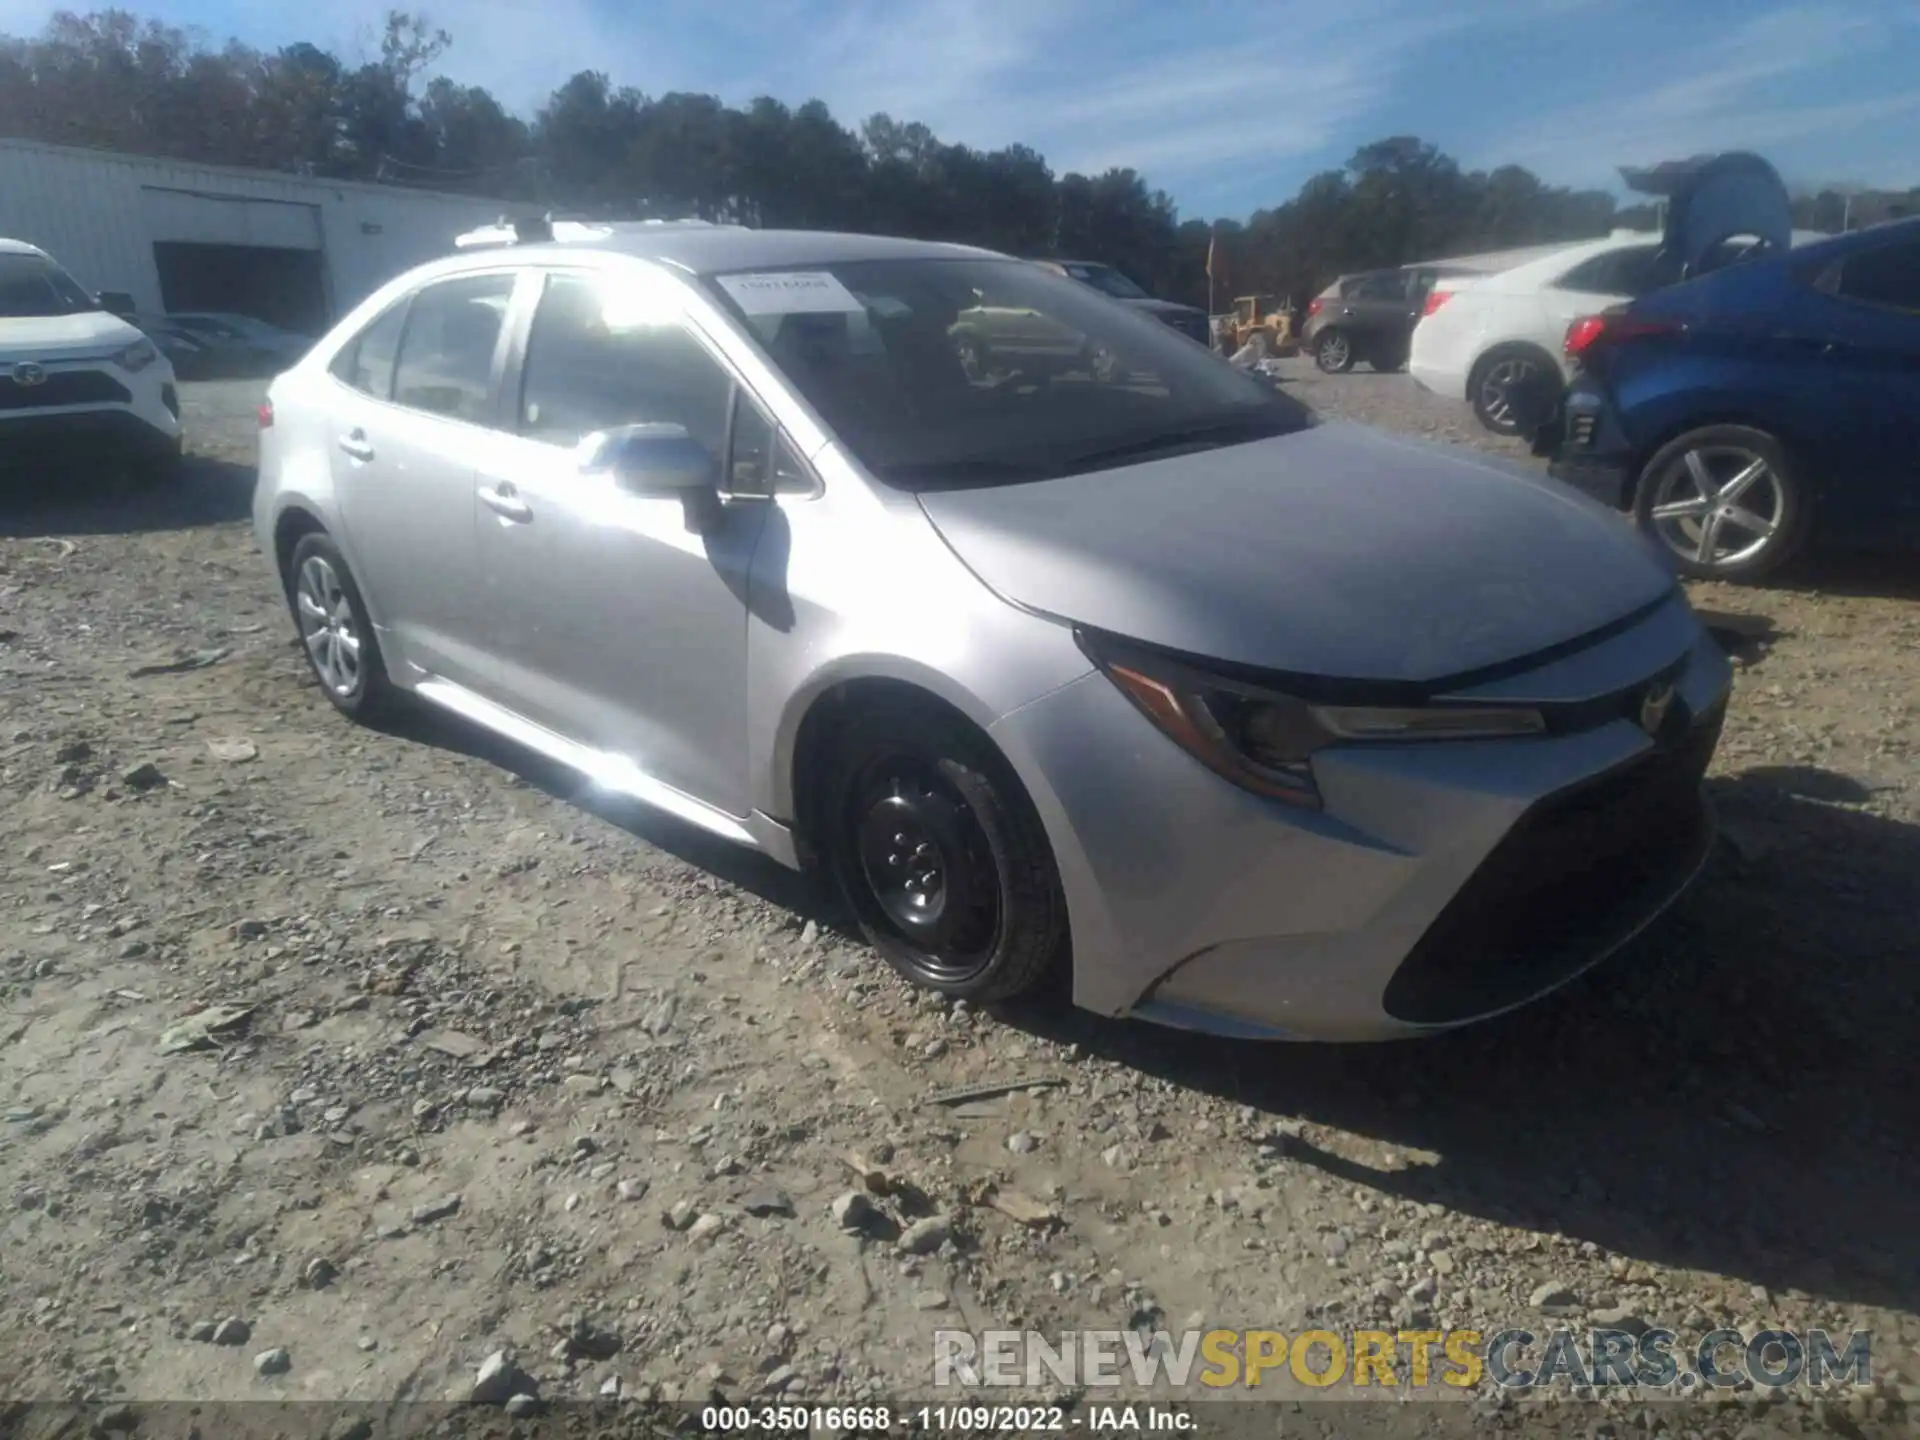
[(1575, 877), (62, 387)]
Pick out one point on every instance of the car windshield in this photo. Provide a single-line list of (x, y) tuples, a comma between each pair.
[(1107, 281), (943, 372), (33, 287)]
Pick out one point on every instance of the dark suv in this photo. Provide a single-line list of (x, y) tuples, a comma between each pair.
[(1110, 282), (1370, 316)]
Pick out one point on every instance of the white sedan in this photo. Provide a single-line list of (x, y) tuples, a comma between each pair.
[(1478, 335)]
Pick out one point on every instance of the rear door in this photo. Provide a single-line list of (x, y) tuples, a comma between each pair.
[(1866, 312), (412, 419), (1375, 311)]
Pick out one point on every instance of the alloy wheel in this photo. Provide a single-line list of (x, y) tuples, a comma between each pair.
[(928, 869), (1334, 352), (1718, 506), (327, 626), (1495, 387)]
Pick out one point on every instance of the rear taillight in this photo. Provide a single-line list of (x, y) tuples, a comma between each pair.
[(1313, 307), (266, 415), (1590, 330), (1435, 299)]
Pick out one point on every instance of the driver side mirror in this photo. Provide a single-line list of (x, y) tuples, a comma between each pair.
[(655, 461), (116, 302)]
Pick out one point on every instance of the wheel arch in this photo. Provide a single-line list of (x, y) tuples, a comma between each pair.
[(806, 725)]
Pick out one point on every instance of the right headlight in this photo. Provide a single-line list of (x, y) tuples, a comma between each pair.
[(1265, 740)]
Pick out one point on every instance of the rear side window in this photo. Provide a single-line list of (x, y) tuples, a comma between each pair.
[(366, 361), (1377, 287), (446, 354), (591, 366), (1628, 272), (1888, 277)]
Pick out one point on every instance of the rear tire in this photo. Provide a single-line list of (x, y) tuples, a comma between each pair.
[(1725, 501), (1492, 373), (940, 855), (1333, 352), (335, 631)]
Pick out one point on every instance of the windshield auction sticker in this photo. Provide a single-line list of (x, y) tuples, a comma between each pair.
[(793, 292)]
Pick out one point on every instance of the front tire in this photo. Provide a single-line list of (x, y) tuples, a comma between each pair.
[(940, 856), (335, 631), (1725, 501), (1333, 352)]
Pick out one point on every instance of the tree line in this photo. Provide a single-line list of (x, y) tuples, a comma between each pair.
[(595, 149)]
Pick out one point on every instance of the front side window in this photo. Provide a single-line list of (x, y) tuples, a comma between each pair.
[(595, 362), (761, 458), (1888, 277), (366, 361), (937, 371), (445, 365), (32, 287)]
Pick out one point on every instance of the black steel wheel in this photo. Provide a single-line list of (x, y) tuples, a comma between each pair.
[(939, 855)]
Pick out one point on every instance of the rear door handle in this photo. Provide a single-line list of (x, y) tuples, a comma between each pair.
[(355, 444), (505, 501)]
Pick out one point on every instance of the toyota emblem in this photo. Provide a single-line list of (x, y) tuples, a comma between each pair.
[(1654, 706), (27, 374)]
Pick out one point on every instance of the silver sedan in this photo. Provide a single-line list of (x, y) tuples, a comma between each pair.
[(1056, 642)]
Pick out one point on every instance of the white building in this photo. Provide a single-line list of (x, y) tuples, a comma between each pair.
[(296, 251)]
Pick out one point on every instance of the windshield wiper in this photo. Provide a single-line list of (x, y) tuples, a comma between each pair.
[(1191, 437), (940, 474)]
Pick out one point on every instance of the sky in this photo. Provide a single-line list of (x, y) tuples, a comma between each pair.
[(1226, 104)]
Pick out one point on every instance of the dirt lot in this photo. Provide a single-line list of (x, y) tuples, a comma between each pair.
[(523, 1071)]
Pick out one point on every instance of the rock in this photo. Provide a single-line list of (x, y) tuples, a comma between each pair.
[(680, 1215), (436, 1210), (1442, 1262), (204, 1332), (522, 1405), (1425, 1288), (144, 776), (1336, 1245), (498, 1378), (764, 1203), (1554, 1298), (610, 1387), (809, 933), (923, 1237), (705, 1228), (631, 1189), (853, 1211), (485, 1097), (232, 1331), (1022, 1142), (272, 1362), (319, 1273), (780, 1376), (930, 1300), (1114, 1157), (367, 1344), (1618, 1317), (234, 750)]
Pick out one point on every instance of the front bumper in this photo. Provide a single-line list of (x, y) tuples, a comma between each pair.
[(1442, 883), (56, 439)]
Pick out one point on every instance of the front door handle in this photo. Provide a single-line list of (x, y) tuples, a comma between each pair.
[(505, 502), (355, 444)]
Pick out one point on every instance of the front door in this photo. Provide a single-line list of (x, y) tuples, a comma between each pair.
[(1866, 316), (408, 427), (622, 621)]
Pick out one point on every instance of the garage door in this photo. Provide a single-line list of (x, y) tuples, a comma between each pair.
[(202, 218)]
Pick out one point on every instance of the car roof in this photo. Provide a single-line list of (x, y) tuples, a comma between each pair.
[(19, 247), (1867, 236), (713, 250)]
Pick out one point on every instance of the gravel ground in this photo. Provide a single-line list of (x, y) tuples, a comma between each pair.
[(508, 1069)]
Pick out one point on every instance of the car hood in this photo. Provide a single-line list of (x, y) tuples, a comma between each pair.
[(1335, 552), (55, 337)]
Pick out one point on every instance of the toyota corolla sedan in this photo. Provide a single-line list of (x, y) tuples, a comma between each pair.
[(1133, 670)]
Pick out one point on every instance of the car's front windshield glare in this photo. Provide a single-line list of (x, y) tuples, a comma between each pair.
[(936, 371), (34, 288)]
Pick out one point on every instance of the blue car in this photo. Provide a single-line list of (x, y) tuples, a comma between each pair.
[(1745, 411)]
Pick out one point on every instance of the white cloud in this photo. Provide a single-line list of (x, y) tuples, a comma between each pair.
[(1757, 87)]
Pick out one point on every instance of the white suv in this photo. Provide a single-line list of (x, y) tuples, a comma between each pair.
[(78, 384), (1478, 335)]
